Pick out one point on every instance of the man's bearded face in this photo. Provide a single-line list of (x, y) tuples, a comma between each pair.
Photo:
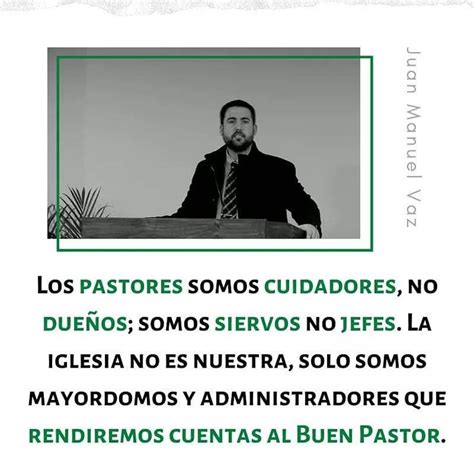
[(238, 129)]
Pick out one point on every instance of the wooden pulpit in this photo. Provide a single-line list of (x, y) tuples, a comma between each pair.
[(172, 228)]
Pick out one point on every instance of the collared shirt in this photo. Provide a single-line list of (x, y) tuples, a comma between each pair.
[(230, 157)]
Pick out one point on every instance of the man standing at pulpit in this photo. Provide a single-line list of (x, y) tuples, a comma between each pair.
[(239, 181)]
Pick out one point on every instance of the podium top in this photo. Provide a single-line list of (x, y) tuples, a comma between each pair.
[(173, 228)]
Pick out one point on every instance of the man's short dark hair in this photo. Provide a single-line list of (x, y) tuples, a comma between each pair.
[(237, 103)]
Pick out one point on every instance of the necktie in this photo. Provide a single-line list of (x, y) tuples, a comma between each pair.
[(229, 203)]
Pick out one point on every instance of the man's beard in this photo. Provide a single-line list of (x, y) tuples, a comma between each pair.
[(240, 145)]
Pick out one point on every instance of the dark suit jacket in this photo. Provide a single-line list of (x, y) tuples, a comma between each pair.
[(266, 187)]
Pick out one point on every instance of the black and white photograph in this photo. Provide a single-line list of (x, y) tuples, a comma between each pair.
[(207, 144)]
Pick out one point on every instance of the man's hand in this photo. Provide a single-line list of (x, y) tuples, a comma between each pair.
[(311, 231)]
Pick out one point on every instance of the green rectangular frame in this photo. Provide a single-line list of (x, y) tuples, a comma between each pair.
[(60, 58)]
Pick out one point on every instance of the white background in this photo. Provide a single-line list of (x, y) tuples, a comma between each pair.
[(439, 248)]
